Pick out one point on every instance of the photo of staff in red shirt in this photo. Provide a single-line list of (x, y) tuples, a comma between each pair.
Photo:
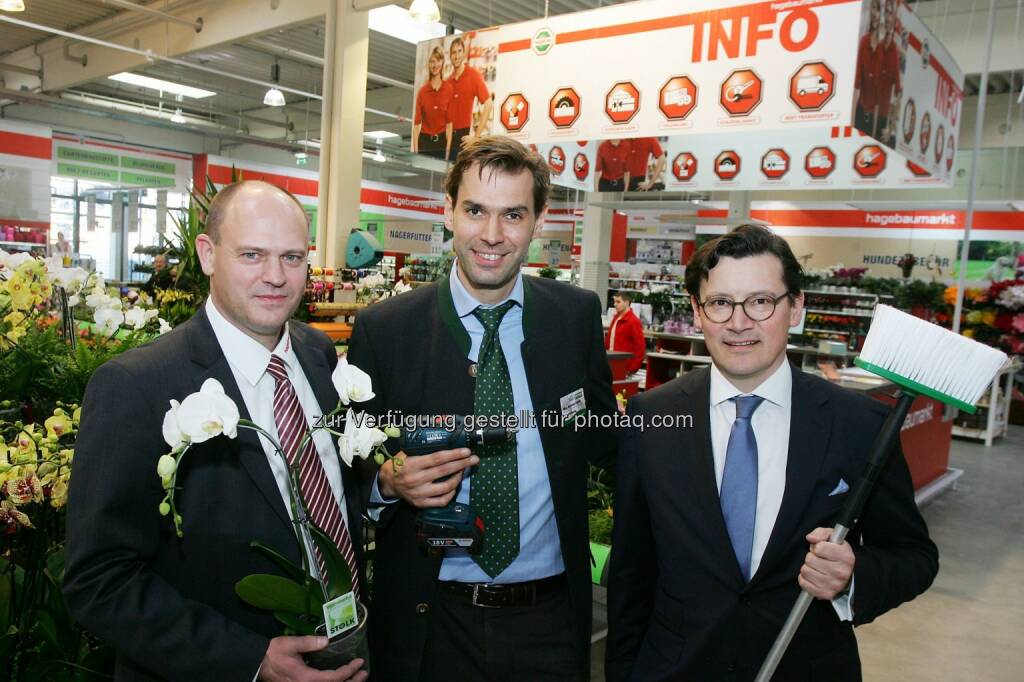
[(431, 127), (611, 171), (889, 81), (641, 176), (865, 86), (468, 88)]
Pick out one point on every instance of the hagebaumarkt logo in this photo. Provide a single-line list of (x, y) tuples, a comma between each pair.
[(543, 41)]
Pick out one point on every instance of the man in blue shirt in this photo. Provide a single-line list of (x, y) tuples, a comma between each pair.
[(486, 340)]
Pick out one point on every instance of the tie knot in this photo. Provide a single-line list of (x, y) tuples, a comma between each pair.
[(746, 405), (276, 368), (490, 318)]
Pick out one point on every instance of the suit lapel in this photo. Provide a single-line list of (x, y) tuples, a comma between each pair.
[(699, 467), (809, 431), (210, 361)]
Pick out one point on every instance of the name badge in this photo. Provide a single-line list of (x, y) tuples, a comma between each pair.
[(341, 614), (572, 404)]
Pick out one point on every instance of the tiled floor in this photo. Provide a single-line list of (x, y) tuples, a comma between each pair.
[(970, 625)]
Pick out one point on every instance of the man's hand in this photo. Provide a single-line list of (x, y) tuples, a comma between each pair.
[(413, 478), (645, 185), (828, 567), (283, 663)]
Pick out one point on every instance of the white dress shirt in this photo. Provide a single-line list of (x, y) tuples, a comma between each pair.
[(248, 360), (771, 422)]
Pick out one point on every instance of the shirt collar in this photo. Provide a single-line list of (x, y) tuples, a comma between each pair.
[(464, 302), (777, 389), (244, 353)]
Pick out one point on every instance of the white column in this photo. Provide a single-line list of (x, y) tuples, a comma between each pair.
[(739, 208), (597, 245), (341, 150)]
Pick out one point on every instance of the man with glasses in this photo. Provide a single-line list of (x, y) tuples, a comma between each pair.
[(718, 526)]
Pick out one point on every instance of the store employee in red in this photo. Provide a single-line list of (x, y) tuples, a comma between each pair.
[(640, 151), (612, 173), (467, 87), (431, 127), (626, 333)]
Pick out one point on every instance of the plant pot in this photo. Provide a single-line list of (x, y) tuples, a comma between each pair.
[(343, 648)]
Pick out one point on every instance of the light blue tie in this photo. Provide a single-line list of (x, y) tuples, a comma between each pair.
[(739, 481)]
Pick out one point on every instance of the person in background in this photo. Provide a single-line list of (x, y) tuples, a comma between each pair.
[(431, 126), (520, 610), (612, 169), (889, 82), (720, 522), (468, 87), (865, 84), (641, 149), (625, 332), (162, 277)]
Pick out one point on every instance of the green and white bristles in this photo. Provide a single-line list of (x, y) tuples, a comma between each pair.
[(925, 358)]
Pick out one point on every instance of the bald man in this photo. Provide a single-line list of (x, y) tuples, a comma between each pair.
[(166, 604)]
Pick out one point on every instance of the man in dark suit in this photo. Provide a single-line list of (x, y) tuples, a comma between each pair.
[(720, 521), (168, 605), (521, 609)]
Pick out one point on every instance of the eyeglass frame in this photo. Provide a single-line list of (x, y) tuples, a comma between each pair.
[(775, 304)]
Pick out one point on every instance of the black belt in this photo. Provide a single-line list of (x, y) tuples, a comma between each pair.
[(433, 138), (486, 595)]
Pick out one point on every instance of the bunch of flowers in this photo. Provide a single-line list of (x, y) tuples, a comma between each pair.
[(994, 315), (210, 413)]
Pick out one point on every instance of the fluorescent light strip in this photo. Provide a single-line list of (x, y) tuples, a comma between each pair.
[(380, 134), (395, 21), (161, 85)]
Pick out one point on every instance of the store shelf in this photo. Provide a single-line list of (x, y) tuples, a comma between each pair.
[(821, 311), (843, 293), (828, 331), (32, 245)]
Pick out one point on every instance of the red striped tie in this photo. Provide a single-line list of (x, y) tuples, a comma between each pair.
[(316, 491)]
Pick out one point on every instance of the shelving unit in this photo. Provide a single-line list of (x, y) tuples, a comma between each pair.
[(840, 315), (993, 416), (23, 245)]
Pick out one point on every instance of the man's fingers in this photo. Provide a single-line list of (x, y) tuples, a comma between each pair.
[(305, 643), (819, 535)]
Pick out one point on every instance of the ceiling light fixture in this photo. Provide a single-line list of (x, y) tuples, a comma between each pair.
[(177, 116), (380, 134), (12, 6), (424, 10), (160, 85), (274, 97)]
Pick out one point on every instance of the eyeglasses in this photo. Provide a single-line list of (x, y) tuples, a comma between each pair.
[(758, 307)]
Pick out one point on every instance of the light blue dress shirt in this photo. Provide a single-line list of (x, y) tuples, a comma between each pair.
[(540, 553)]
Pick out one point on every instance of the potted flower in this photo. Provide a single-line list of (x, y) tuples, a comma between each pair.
[(302, 602)]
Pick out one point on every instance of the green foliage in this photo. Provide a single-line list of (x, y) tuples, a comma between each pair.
[(918, 293), (600, 504), (549, 272), (277, 593), (600, 526)]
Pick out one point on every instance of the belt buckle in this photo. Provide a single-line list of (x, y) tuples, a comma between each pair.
[(476, 592)]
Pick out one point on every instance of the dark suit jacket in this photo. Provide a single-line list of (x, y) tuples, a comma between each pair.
[(678, 605), (415, 349), (168, 605)]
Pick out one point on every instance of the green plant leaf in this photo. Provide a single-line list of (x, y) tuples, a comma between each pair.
[(339, 577), (295, 624), (47, 628), (274, 593), (292, 570)]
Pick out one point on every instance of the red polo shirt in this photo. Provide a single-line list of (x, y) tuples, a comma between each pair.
[(888, 76), (465, 88), (432, 108), (640, 150), (866, 79), (627, 334), (611, 160)]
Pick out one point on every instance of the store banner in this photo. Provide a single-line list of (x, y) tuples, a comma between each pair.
[(119, 165), (908, 90), (840, 220), (738, 66), (25, 151), (838, 158)]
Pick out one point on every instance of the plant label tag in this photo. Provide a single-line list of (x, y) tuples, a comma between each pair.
[(340, 614), (572, 404)]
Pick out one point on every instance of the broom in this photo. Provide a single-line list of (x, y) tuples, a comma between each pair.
[(922, 359)]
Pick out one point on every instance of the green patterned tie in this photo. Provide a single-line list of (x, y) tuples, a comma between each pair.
[(494, 491)]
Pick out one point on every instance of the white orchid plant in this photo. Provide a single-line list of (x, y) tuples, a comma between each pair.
[(210, 413)]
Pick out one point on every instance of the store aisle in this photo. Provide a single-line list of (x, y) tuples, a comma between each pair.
[(968, 625)]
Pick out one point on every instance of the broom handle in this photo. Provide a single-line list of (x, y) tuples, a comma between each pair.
[(882, 446)]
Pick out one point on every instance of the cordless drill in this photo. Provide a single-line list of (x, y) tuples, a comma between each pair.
[(455, 525)]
